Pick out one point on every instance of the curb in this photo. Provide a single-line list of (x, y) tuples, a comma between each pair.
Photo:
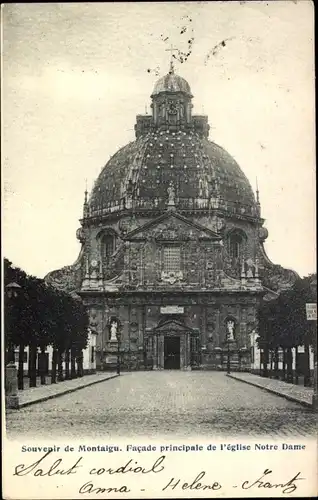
[(62, 393), (273, 391)]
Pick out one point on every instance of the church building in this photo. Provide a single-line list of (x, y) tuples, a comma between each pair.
[(172, 263)]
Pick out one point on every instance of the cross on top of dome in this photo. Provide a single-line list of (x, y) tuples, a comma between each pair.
[(172, 82), (171, 50)]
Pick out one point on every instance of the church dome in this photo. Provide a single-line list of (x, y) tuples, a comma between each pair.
[(171, 83), (201, 171), (172, 149)]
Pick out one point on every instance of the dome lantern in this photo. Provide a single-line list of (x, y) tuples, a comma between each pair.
[(171, 101)]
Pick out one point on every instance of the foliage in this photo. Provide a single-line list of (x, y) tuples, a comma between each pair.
[(282, 322), (41, 315)]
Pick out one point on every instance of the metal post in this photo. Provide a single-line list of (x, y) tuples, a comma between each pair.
[(265, 361), (290, 378), (276, 363), (313, 318), (228, 358), (307, 366), (53, 368), (60, 376), (118, 352), (118, 361), (20, 369), (296, 366), (315, 395), (145, 354), (315, 380)]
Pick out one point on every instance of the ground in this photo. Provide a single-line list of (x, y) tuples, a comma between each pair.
[(172, 403)]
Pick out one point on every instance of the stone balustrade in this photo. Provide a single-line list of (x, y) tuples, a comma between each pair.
[(181, 204)]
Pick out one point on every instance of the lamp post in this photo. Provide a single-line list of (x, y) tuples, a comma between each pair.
[(145, 354), (313, 287), (228, 344), (12, 291), (11, 380), (118, 336)]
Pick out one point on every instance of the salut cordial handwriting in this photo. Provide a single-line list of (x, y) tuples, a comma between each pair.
[(48, 466)]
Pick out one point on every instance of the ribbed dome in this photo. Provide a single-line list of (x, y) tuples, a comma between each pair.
[(198, 168), (171, 83)]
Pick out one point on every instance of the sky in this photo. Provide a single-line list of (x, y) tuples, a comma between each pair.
[(76, 75)]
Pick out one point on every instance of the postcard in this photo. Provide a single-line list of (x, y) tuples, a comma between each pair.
[(160, 287)]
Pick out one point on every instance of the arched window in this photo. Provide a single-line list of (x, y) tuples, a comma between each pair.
[(108, 246), (236, 241)]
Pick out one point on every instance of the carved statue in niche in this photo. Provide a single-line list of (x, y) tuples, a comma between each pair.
[(250, 268), (93, 318), (230, 326), (113, 331), (171, 194)]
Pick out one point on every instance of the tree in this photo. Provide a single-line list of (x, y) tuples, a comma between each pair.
[(283, 322), (40, 316)]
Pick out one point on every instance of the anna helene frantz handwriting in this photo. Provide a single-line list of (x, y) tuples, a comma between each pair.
[(202, 480)]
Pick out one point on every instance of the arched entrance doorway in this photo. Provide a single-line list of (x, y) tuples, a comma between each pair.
[(171, 345), (172, 352)]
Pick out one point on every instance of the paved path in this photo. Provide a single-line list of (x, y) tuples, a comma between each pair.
[(168, 403), (296, 393), (33, 395)]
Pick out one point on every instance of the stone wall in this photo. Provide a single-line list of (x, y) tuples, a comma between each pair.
[(138, 318)]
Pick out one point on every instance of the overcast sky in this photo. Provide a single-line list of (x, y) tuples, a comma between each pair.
[(76, 75)]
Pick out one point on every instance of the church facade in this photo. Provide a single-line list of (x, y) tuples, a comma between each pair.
[(172, 265)]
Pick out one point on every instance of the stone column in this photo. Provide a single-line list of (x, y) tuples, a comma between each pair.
[(183, 359), (161, 352), (155, 352), (203, 324), (11, 386), (217, 327), (188, 353), (141, 331)]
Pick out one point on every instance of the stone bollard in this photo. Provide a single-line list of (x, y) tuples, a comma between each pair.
[(11, 386), (315, 395)]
